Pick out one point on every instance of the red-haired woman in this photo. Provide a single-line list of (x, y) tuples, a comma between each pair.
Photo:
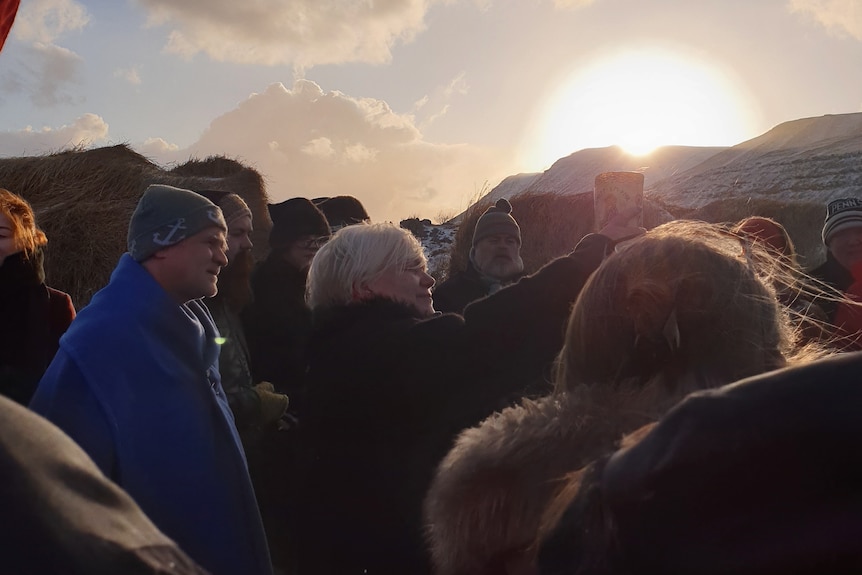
[(34, 316)]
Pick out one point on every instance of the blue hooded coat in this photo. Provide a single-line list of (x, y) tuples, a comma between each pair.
[(136, 384)]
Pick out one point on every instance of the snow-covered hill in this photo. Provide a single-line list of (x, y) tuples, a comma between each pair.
[(789, 172)]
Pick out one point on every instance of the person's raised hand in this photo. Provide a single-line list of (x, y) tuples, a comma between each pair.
[(623, 225)]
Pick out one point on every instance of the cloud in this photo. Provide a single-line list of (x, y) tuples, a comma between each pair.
[(86, 130), (44, 69), (45, 20), (42, 73), (130, 75), (843, 17), (307, 142), (157, 147), (302, 33), (318, 147)]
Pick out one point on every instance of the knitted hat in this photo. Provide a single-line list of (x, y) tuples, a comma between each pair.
[(293, 219), (165, 216), (840, 215), (232, 206), (497, 220), (342, 211)]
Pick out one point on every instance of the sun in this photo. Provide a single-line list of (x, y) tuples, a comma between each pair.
[(641, 99)]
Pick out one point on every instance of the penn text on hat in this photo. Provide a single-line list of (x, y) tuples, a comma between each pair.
[(841, 214), (165, 216)]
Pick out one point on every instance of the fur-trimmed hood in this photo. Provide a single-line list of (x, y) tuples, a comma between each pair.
[(489, 495)]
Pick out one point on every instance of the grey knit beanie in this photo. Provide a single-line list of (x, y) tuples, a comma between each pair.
[(232, 206), (840, 215), (497, 220), (165, 216)]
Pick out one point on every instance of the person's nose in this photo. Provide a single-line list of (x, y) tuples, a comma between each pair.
[(220, 257), (247, 243), (427, 280)]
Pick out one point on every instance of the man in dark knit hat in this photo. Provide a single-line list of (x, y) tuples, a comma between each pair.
[(277, 322), (277, 327), (140, 366), (495, 261)]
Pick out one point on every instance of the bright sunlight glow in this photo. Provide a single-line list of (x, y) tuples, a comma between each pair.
[(640, 100)]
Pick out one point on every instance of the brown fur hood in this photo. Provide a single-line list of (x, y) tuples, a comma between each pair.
[(489, 494)]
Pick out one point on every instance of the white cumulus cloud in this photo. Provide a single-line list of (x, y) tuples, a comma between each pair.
[(302, 33), (837, 16), (311, 143), (87, 130)]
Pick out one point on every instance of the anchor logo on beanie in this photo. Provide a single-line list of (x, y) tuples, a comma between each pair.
[(169, 239)]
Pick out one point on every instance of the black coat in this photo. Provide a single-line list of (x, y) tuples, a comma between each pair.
[(277, 325), (464, 287), (760, 477), (387, 394), (33, 316)]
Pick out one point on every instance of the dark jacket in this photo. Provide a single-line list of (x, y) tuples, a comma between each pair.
[(233, 362), (277, 326), (464, 287), (388, 392), (61, 515), (34, 317), (760, 477)]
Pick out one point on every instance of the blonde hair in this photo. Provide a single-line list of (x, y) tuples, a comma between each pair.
[(688, 304), (20, 214), (356, 255)]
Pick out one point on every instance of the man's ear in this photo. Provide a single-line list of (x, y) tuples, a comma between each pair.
[(162, 253)]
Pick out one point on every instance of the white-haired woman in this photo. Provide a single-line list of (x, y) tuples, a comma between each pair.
[(391, 382)]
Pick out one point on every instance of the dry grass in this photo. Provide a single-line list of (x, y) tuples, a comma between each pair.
[(83, 200)]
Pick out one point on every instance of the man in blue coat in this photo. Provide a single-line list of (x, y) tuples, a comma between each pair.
[(136, 384)]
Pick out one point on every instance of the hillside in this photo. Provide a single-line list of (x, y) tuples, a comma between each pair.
[(788, 173), (576, 173)]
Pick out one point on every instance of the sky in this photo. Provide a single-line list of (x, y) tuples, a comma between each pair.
[(417, 107)]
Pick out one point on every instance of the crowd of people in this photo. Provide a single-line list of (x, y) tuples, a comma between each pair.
[(315, 413), (672, 401)]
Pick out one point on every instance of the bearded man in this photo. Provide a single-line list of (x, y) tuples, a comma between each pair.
[(256, 406), (495, 261)]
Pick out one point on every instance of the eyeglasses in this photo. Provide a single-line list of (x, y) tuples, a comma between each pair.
[(312, 243)]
